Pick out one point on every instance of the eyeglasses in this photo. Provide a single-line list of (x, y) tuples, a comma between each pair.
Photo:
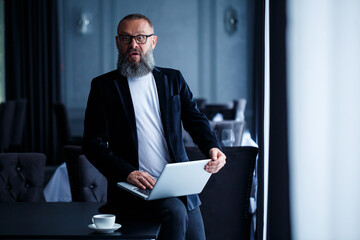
[(140, 39)]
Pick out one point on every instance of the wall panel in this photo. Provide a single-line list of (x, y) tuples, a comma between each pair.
[(191, 38)]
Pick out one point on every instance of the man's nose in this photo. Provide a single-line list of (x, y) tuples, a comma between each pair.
[(133, 43)]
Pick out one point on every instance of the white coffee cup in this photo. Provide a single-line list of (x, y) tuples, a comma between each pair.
[(103, 221)]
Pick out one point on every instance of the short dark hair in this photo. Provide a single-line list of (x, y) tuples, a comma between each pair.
[(135, 16)]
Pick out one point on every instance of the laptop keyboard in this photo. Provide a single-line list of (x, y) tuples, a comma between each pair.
[(144, 191)]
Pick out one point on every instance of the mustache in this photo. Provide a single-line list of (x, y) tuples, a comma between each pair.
[(134, 50)]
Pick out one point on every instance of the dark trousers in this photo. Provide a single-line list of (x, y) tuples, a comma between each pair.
[(177, 223)]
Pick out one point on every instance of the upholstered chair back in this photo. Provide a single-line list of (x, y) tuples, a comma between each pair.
[(226, 197), (7, 113), (87, 184), (22, 177)]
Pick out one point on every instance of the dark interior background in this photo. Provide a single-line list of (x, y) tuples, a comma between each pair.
[(52, 56), (192, 37), (53, 49)]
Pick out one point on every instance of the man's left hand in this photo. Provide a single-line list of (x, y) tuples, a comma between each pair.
[(218, 160)]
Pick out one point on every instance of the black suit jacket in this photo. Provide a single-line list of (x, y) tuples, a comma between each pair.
[(110, 137)]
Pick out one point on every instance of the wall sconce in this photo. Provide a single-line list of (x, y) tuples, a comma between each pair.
[(230, 20), (84, 24)]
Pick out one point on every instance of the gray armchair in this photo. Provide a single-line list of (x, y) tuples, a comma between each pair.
[(87, 184), (22, 177)]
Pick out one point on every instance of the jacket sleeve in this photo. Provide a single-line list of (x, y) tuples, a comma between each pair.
[(195, 122), (95, 141)]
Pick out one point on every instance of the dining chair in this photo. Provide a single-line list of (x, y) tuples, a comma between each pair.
[(226, 197), (237, 127), (200, 102), (233, 110), (18, 124), (63, 126), (227, 110), (7, 113), (22, 177), (87, 184)]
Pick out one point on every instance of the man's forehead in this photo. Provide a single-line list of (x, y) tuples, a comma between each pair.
[(137, 25)]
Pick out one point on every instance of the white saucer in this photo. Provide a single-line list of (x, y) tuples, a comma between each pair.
[(105, 230)]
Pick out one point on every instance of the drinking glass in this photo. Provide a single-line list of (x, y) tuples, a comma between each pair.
[(228, 137)]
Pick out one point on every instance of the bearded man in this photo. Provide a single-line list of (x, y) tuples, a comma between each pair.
[(132, 129)]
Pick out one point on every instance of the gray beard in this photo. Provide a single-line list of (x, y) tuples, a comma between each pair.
[(133, 69)]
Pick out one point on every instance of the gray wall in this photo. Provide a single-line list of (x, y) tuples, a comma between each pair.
[(191, 37)]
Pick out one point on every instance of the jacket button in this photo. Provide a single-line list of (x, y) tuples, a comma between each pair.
[(91, 186), (18, 169), (7, 186), (27, 185)]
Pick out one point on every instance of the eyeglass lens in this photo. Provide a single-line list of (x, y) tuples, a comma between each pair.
[(138, 38)]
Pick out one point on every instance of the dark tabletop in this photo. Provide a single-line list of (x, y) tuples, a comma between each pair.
[(63, 221)]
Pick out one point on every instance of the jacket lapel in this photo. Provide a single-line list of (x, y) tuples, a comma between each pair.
[(122, 87), (163, 94)]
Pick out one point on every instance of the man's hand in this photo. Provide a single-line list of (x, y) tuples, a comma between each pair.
[(218, 160), (141, 179)]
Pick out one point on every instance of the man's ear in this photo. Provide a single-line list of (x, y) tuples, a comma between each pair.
[(117, 42), (154, 41)]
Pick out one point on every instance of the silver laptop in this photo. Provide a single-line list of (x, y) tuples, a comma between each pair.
[(176, 179)]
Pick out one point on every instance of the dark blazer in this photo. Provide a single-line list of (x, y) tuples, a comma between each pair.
[(110, 137)]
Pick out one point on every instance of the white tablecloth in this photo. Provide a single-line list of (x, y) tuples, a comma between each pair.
[(58, 188)]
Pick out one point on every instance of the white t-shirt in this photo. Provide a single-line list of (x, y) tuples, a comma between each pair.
[(153, 150)]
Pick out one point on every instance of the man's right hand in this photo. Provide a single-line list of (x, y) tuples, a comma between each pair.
[(141, 179)]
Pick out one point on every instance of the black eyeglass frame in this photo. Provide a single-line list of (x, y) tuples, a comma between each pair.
[(135, 37)]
